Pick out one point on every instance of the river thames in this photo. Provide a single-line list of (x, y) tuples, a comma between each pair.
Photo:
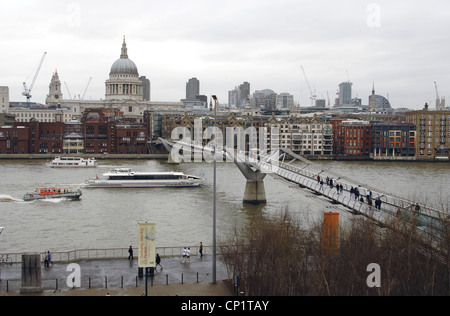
[(108, 218)]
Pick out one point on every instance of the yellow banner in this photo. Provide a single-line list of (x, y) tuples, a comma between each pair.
[(147, 245)]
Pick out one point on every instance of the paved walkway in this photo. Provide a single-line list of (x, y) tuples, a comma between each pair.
[(120, 277)]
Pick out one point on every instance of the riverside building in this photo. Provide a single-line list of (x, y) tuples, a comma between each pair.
[(394, 141), (433, 133)]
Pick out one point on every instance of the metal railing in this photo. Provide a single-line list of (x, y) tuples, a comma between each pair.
[(102, 254), (110, 282)]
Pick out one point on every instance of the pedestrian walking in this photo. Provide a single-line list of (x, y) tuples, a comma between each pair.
[(321, 185), (158, 262), (130, 253), (417, 208), (201, 247), (188, 254), (183, 259), (49, 258), (45, 260), (378, 203)]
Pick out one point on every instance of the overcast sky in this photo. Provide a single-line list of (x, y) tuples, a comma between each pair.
[(401, 45)]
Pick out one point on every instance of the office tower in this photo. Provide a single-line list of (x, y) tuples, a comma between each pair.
[(145, 88), (192, 89), (345, 93), (285, 101)]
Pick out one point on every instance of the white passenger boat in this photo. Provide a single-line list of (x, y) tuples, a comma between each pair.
[(73, 162), (127, 178)]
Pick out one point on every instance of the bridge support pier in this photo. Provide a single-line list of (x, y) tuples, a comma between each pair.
[(255, 191)]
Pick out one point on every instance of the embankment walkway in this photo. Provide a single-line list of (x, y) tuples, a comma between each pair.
[(101, 275)]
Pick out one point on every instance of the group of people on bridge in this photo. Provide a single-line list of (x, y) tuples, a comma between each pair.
[(354, 192)]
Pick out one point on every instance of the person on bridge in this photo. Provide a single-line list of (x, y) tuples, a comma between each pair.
[(417, 208), (378, 203)]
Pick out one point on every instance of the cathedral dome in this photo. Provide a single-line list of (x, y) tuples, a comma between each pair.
[(124, 65)]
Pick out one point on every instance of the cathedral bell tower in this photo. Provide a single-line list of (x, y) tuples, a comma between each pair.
[(55, 95)]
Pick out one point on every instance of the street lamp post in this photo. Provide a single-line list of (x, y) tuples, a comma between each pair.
[(214, 266), (1, 230)]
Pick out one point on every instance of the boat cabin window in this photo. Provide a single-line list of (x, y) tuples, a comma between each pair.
[(145, 177)]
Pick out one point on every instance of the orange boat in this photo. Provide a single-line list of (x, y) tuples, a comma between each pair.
[(52, 193)]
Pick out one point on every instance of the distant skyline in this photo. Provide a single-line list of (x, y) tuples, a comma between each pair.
[(401, 46)]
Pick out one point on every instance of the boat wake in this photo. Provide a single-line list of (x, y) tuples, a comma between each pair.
[(7, 198), (54, 201)]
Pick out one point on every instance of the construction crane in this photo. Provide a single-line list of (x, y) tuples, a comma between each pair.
[(440, 103), (313, 96), (27, 91), (90, 79), (68, 92)]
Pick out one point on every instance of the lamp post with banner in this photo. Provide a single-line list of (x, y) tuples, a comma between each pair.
[(147, 249)]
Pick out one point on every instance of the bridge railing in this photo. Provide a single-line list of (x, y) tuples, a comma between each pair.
[(431, 221)]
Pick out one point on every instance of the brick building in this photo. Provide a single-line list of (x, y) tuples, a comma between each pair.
[(49, 138), (100, 131), (14, 140), (130, 139), (352, 139)]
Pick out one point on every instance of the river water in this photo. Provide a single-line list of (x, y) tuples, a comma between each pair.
[(108, 218)]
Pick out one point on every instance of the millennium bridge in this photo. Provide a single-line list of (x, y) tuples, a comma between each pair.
[(432, 224)]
